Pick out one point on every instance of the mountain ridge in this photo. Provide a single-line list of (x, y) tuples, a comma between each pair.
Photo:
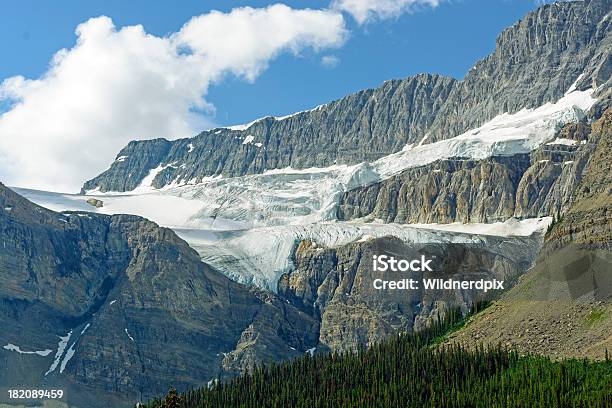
[(536, 61)]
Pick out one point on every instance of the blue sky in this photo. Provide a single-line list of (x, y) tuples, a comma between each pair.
[(447, 39)]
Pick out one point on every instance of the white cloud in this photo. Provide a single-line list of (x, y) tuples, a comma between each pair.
[(368, 10), (115, 85), (251, 37), (330, 61)]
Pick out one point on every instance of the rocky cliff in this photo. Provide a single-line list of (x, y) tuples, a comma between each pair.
[(535, 61), (495, 189), (336, 285), (113, 309)]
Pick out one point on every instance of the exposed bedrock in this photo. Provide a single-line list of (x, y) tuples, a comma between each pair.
[(336, 286), (495, 189)]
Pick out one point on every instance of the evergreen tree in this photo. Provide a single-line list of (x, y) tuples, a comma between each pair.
[(172, 400)]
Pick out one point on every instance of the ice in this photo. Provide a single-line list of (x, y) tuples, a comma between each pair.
[(299, 196), (505, 135), (246, 226), (259, 256), (508, 228), (12, 347)]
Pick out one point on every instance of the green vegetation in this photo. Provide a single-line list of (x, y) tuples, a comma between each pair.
[(595, 316), (406, 372), (454, 321), (557, 219)]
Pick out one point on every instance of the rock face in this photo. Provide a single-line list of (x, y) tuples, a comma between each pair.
[(335, 285), (495, 189), (588, 221), (446, 191), (536, 61), (361, 127), (113, 309)]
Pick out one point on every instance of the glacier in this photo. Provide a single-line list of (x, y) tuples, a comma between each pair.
[(247, 226)]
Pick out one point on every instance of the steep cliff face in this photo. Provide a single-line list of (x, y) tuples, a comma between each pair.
[(113, 308), (361, 127), (588, 221), (446, 191), (536, 61), (523, 186), (336, 285)]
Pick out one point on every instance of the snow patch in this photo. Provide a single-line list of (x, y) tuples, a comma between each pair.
[(61, 346), (128, 334), (281, 118), (146, 185), (190, 148), (248, 139), (67, 357), (562, 141), (85, 329), (572, 87), (12, 347), (246, 125)]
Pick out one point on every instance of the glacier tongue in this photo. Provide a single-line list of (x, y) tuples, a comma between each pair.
[(259, 256)]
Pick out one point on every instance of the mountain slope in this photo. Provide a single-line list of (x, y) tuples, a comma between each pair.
[(536, 61), (563, 306), (109, 308)]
